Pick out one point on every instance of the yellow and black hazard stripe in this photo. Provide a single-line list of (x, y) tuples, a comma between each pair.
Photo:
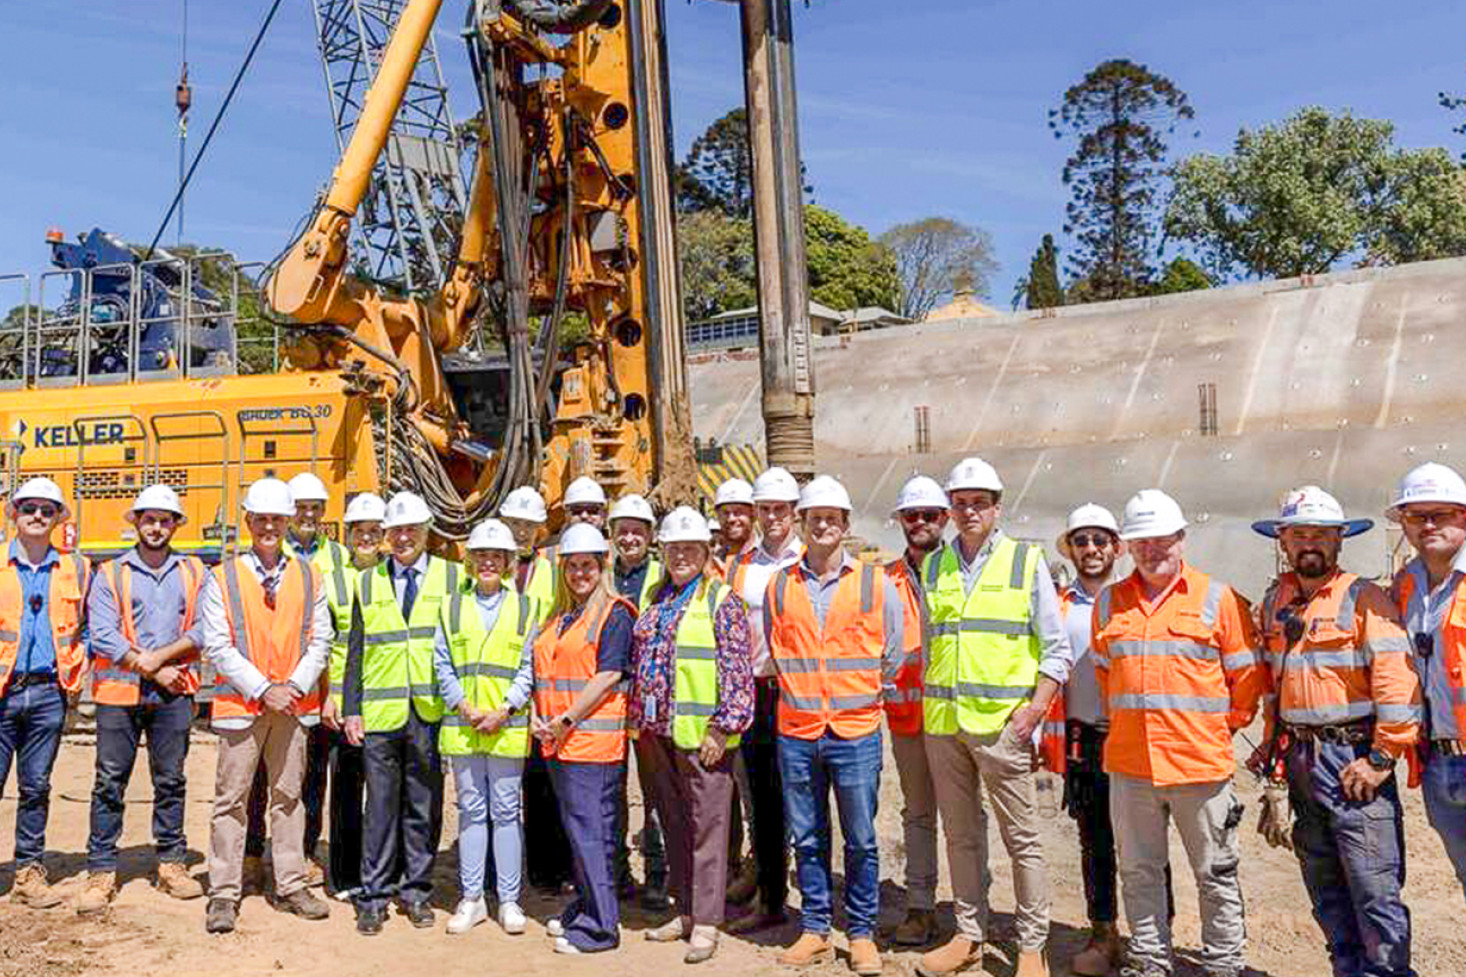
[(733, 461)]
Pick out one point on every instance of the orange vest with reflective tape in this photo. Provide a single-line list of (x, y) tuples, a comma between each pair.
[(68, 581), (1453, 654), (116, 684), (1054, 740), (830, 677), (903, 712), (563, 664), (274, 641)]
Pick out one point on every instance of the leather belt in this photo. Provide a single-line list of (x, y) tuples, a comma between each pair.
[(1448, 747), (20, 680), (1340, 734)]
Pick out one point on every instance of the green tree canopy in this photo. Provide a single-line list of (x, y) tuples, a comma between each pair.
[(716, 256), (718, 171), (846, 268), (1182, 275), (1297, 197), (1040, 288), (935, 257)]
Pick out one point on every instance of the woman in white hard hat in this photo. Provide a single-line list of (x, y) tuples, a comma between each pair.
[(581, 657), (484, 660), (691, 698)]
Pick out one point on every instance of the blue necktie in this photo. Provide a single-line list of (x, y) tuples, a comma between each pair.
[(409, 592)]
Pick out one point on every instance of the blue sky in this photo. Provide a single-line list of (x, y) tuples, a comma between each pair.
[(907, 107)]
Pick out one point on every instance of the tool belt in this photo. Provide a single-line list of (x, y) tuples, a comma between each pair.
[(1341, 734), (1448, 747)]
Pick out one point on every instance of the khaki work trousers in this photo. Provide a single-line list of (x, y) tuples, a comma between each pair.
[(280, 741), (961, 766), (918, 820), (1206, 816)]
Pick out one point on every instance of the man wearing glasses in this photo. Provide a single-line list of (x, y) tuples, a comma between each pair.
[(41, 663), (1431, 506), (997, 654)]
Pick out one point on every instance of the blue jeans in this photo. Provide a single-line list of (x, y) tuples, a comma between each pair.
[(30, 734), (1443, 786), (809, 768), (488, 792), (120, 730), (586, 793), (1353, 858)]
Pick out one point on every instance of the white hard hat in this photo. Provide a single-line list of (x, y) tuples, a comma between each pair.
[(1311, 506), (159, 497), (1087, 516), (585, 491), (406, 509), (685, 524), (775, 485), (974, 473), (524, 503), (305, 487), (41, 489), (713, 525), (1149, 513), (633, 507), (366, 507), (823, 492), (491, 534), (269, 497), (583, 538), (735, 491), (1431, 482), (921, 492)]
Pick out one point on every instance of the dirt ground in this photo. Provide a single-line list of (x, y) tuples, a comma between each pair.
[(147, 933)]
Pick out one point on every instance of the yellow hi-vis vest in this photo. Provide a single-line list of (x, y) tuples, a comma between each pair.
[(695, 693), (486, 662), (539, 582), (397, 658), (337, 573), (982, 655), (650, 583)]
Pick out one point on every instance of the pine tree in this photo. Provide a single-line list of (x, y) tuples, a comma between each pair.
[(1044, 290)]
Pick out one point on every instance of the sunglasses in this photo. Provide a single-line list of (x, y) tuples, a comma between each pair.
[(1436, 517), (582, 510), (31, 508), (922, 515), (1098, 540)]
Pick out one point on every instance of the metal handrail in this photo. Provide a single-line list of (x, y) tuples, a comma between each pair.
[(79, 425), (222, 433)]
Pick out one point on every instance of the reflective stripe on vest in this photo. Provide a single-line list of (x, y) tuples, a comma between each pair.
[(696, 692), (485, 663), (982, 654), (397, 655), (284, 641), (115, 684)]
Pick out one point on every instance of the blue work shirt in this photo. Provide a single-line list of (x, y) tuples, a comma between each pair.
[(37, 652), (159, 601)]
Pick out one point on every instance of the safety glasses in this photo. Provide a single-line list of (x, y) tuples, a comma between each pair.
[(33, 508), (1098, 540)]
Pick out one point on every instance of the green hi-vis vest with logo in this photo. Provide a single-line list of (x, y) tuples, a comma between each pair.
[(695, 694), (486, 662), (982, 654), (397, 659)]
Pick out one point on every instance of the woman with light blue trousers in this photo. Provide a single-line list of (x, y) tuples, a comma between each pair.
[(483, 658)]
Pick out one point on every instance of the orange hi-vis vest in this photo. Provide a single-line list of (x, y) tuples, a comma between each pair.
[(1452, 658), (274, 641), (903, 711), (563, 665), (64, 605), (1351, 663), (1178, 675), (1053, 741), (830, 677), (116, 684)]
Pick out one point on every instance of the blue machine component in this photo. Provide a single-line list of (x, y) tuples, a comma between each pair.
[(114, 272)]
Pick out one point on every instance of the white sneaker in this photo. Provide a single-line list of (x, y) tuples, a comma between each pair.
[(563, 945), (511, 918), (470, 913), (554, 928)]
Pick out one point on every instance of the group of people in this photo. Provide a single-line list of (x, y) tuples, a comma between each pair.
[(748, 677)]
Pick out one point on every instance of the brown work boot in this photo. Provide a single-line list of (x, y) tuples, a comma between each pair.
[(743, 886), (101, 889), (956, 954), (1101, 956), (252, 882), (865, 959), (918, 928), (1031, 964), (31, 889), (808, 950), (303, 903), (174, 880)]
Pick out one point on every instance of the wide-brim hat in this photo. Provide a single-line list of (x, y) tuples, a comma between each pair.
[(1311, 506)]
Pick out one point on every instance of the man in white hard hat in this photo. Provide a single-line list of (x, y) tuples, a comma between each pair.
[(1074, 733), (775, 494), (393, 710), (145, 638), (734, 529), (42, 665), (364, 535), (996, 655), (638, 576), (1345, 707), (835, 630), (524, 512), (267, 632), (1175, 653), (921, 509), (1430, 592), (585, 501)]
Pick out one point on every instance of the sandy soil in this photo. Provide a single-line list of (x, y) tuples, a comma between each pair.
[(145, 932)]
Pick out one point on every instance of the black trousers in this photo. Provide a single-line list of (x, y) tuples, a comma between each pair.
[(312, 795), (404, 812), (546, 847), (761, 753), (348, 791)]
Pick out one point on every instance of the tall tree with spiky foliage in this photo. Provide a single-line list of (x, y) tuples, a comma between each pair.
[(1120, 115)]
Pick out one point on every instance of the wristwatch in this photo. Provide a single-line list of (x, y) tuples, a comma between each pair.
[(567, 722), (1380, 760)]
